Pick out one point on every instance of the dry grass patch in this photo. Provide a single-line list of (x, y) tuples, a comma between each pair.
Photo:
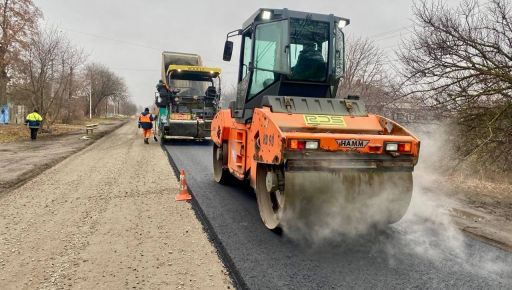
[(19, 132)]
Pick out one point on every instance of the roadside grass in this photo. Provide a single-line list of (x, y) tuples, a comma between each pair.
[(492, 196), (19, 132), (496, 188)]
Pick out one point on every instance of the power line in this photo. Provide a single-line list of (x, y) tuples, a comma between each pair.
[(401, 34), (131, 43), (117, 40), (114, 39), (392, 31), (135, 69)]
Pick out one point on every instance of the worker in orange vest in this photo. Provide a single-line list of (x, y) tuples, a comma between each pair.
[(146, 123)]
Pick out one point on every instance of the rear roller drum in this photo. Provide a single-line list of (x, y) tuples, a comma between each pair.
[(270, 195), (402, 199), (220, 161)]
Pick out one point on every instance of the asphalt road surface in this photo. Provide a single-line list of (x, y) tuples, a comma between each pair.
[(421, 252)]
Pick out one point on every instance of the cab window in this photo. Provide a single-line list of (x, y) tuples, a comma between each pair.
[(309, 50), (247, 55), (270, 58)]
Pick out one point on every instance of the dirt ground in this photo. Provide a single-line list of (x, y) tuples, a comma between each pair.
[(105, 218), (24, 159), (478, 205), (12, 133), (19, 132), (482, 208), (491, 197)]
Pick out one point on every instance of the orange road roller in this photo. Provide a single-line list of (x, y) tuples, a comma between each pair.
[(303, 150)]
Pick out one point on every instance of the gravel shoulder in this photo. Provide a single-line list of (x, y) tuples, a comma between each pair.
[(105, 218)]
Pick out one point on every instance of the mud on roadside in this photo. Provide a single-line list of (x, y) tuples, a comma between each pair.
[(19, 132), (484, 211), (23, 160), (477, 207)]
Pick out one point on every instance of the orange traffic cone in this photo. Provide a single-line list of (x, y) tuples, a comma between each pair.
[(184, 194)]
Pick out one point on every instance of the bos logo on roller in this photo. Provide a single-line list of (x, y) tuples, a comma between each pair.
[(324, 120), (352, 143)]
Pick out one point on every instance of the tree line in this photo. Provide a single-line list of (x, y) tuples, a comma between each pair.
[(41, 69), (457, 67)]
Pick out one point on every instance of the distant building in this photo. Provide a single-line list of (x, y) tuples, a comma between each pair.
[(408, 112), (4, 114)]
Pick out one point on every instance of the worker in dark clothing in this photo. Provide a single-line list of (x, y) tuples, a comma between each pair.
[(160, 86), (33, 121), (166, 95), (311, 65), (162, 91), (146, 123)]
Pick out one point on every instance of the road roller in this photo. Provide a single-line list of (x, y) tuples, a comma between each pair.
[(304, 150)]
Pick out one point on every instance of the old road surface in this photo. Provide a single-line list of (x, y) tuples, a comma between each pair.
[(423, 251), (105, 218)]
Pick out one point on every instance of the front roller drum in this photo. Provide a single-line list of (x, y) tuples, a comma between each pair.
[(353, 199)]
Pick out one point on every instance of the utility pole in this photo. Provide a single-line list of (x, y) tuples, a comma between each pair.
[(90, 101), (90, 94)]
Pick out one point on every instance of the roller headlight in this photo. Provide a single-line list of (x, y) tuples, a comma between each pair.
[(402, 147), (312, 145), (303, 144), (392, 147)]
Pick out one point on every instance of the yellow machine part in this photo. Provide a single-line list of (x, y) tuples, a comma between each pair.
[(212, 71)]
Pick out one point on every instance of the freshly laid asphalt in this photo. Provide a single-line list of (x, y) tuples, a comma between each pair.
[(398, 258)]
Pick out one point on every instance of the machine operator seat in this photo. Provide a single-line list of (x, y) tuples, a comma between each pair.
[(311, 65), (211, 92)]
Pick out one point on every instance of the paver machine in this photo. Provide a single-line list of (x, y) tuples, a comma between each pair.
[(306, 152), (187, 97)]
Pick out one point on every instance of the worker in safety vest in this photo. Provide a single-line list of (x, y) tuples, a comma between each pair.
[(33, 121), (146, 123)]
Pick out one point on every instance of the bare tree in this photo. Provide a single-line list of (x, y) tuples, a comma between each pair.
[(48, 72), (460, 60), (18, 20), (105, 84), (368, 75), (117, 99), (127, 107), (364, 67), (228, 95)]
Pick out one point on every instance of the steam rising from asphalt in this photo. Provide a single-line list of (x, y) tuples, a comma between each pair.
[(427, 230), (343, 203)]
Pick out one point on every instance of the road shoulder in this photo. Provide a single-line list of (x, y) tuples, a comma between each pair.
[(106, 218)]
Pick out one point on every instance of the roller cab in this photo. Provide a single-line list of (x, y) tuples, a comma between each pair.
[(303, 150)]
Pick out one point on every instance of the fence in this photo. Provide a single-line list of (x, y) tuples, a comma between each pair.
[(13, 114)]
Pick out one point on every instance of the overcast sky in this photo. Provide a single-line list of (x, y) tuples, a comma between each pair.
[(128, 36)]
